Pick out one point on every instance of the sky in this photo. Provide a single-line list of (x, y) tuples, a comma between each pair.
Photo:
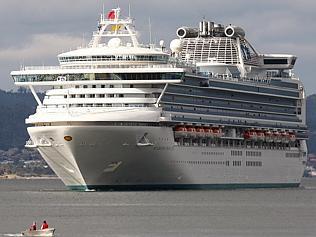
[(33, 32)]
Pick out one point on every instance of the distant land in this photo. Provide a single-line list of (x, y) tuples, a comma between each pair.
[(16, 106), (14, 159)]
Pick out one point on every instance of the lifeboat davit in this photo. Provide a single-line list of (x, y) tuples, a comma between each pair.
[(180, 131)]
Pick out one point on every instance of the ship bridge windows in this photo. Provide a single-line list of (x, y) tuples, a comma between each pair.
[(123, 57), (97, 76), (275, 61)]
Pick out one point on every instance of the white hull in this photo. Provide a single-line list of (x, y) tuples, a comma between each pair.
[(47, 232), (110, 157)]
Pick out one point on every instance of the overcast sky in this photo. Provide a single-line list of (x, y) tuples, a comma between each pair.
[(33, 32)]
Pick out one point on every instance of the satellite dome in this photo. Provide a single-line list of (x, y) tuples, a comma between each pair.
[(176, 46), (114, 43)]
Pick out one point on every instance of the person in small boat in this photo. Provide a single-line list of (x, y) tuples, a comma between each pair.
[(44, 225), (33, 226)]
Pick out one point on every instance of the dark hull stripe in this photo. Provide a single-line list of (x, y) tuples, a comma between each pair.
[(159, 187)]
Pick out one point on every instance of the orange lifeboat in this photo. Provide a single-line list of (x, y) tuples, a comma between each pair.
[(268, 136), (200, 132), (208, 132), (285, 137), (277, 137), (191, 131), (292, 137), (180, 131), (260, 135), (250, 135), (217, 132)]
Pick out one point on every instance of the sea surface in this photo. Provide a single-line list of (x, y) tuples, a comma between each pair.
[(220, 213)]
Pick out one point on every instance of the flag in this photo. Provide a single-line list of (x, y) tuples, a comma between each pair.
[(116, 27), (111, 15)]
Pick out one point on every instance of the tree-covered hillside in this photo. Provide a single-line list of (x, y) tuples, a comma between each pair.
[(14, 107), (311, 121)]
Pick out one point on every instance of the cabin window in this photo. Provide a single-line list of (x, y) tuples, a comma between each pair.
[(275, 61)]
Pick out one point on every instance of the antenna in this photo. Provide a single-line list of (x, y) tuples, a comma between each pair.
[(149, 25), (129, 10), (103, 11)]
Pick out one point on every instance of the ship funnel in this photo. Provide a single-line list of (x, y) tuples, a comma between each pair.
[(234, 31), (204, 28), (186, 32)]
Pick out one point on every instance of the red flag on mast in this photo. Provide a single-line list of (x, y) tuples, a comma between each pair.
[(111, 15)]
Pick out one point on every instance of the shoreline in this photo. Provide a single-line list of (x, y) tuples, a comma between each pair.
[(14, 176)]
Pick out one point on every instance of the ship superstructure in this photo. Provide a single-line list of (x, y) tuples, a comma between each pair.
[(212, 113)]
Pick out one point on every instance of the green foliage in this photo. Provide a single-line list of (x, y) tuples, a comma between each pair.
[(311, 122), (14, 107)]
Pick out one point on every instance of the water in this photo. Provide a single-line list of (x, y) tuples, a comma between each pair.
[(220, 213)]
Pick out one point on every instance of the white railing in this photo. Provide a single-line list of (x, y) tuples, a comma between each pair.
[(25, 68)]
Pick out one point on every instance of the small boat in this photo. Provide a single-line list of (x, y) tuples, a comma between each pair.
[(260, 135), (208, 132), (292, 137), (217, 132), (250, 135), (45, 232), (200, 132), (277, 137), (191, 131), (268, 136), (180, 131), (285, 137)]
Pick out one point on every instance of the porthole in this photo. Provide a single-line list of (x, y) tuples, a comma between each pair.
[(68, 138)]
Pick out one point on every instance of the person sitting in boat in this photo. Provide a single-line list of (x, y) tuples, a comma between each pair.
[(33, 226), (44, 225)]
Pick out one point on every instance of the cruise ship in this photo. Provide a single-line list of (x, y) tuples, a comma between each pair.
[(207, 112)]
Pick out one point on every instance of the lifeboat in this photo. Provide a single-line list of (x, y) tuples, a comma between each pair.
[(208, 132), (250, 135), (292, 137), (285, 137), (180, 131), (200, 132), (191, 131), (260, 135), (217, 132), (277, 137), (268, 136)]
